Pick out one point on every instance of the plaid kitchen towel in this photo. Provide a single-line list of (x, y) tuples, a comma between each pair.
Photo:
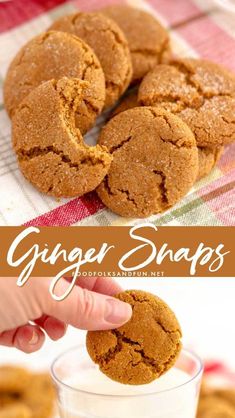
[(198, 28)]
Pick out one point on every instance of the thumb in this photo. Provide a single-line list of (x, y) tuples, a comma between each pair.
[(85, 309)]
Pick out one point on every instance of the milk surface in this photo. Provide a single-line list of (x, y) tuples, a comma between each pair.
[(127, 401)]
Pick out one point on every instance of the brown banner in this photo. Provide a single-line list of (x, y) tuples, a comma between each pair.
[(140, 251)]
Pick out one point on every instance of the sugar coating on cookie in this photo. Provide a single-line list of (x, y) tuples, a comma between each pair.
[(200, 92), (155, 161), (107, 40), (143, 349), (148, 40), (50, 149), (207, 159), (13, 380), (53, 55)]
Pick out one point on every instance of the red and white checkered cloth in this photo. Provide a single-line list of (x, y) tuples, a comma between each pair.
[(198, 28)]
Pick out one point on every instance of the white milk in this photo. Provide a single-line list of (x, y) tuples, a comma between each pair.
[(148, 401)]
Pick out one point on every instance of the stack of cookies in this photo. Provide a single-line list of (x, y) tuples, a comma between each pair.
[(24, 394), (168, 131)]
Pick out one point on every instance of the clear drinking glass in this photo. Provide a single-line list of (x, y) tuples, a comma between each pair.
[(84, 392)]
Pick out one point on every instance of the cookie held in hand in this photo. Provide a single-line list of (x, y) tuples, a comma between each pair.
[(144, 348)]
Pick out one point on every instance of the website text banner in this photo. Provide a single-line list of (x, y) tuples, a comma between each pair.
[(143, 250)]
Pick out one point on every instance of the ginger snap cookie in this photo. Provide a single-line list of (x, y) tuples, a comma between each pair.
[(128, 102), (212, 407), (207, 157), (17, 410), (107, 40), (50, 149), (226, 394), (8, 398), (13, 380), (40, 396), (200, 92), (148, 40), (155, 161), (144, 348), (54, 55)]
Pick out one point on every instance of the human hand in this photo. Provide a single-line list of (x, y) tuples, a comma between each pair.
[(27, 313)]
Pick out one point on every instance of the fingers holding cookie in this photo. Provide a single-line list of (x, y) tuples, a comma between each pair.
[(50, 149), (108, 42)]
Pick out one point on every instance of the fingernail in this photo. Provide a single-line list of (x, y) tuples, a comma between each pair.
[(117, 312), (34, 339)]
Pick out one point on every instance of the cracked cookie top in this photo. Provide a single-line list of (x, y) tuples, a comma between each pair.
[(109, 44), (144, 348), (200, 92), (148, 40), (207, 157), (155, 161), (50, 149), (53, 55)]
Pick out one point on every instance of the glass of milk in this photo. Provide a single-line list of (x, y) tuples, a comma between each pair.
[(84, 392)]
